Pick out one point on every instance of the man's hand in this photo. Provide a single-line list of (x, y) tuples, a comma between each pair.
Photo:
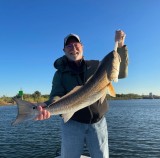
[(120, 37), (44, 114)]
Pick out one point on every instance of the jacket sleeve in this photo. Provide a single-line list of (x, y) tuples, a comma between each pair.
[(123, 71), (57, 90)]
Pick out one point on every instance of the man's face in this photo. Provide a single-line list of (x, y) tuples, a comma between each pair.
[(73, 50)]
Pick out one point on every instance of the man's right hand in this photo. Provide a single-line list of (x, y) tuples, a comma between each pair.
[(44, 114)]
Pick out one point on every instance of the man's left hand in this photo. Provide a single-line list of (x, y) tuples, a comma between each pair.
[(120, 37)]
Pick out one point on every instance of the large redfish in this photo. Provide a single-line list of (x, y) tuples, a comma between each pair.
[(80, 97)]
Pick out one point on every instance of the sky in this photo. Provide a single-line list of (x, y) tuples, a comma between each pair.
[(32, 34)]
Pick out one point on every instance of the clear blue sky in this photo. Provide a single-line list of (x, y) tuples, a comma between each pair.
[(32, 33)]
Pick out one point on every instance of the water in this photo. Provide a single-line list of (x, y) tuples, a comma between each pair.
[(133, 126)]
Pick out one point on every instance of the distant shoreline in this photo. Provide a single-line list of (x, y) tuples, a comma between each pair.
[(7, 104), (37, 97)]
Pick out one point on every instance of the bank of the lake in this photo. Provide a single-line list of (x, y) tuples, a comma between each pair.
[(41, 98)]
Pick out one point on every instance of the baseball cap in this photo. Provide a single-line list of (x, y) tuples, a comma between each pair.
[(71, 35)]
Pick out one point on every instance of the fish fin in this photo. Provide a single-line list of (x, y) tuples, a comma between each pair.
[(67, 116), (102, 98), (111, 90), (26, 111)]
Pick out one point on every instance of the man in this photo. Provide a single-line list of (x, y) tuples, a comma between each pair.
[(87, 125)]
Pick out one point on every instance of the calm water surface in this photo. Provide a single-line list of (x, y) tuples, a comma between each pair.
[(133, 126)]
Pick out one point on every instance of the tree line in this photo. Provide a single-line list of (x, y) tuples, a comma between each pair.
[(37, 97)]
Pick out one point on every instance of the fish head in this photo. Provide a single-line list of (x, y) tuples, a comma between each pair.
[(112, 61)]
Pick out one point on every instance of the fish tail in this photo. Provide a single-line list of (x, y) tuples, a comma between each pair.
[(26, 111)]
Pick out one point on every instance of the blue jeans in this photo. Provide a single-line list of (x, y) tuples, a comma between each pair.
[(75, 134)]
